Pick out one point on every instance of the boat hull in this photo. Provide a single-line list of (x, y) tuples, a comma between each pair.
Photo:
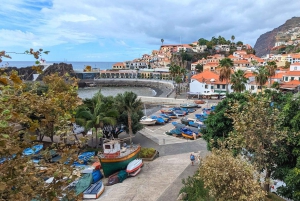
[(189, 136), (113, 165), (134, 165), (148, 122)]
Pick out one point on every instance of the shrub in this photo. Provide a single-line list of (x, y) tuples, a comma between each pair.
[(147, 152)]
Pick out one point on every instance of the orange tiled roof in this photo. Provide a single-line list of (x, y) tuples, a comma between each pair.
[(119, 64), (291, 73), (206, 76), (295, 64), (293, 82), (241, 62), (296, 56), (278, 76), (248, 74), (232, 57)]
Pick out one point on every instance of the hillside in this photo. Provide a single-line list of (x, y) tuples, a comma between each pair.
[(267, 40)]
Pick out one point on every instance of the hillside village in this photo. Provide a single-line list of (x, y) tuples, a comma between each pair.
[(207, 83)]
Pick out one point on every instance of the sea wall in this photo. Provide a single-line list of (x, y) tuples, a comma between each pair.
[(162, 88)]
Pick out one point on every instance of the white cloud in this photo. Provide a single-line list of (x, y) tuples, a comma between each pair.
[(144, 23)]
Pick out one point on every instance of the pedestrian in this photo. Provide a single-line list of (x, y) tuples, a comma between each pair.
[(192, 157)]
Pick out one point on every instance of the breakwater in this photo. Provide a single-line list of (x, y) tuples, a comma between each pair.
[(162, 88)]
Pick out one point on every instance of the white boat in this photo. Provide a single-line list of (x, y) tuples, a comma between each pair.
[(135, 173), (147, 121), (134, 165), (94, 191)]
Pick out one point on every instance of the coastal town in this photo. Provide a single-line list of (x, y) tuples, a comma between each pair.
[(203, 104)]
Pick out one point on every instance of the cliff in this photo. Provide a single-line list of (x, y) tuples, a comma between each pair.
[(25, 73), (267, 40), (61, 69)]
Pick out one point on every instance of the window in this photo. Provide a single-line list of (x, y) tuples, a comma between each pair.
[(295, 68), (107, 146), (223, 86), (211, 87), (258, 87), (206, 86), (218, 86), (286, 78), (252, 87), (292, 78)]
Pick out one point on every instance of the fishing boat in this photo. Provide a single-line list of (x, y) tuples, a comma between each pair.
[(147, 121), (188, 133), (189, 105), (199, 102), (134, 165), (94, 191), (113, 159)]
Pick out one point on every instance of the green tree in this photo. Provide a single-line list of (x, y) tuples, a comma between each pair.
[(129, 103), (226, 65), (229, 178), (275, 85), (202, 41), (96, 116), (261, 76), (239, 43), (199, 68), (287, 64), (256, 129), (218, 125), (232, 38), (271, 69), (238, 81)]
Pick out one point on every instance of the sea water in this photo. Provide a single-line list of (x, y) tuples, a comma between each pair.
[(77, 65)]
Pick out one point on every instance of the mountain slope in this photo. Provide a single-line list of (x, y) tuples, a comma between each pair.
[(267, 40)]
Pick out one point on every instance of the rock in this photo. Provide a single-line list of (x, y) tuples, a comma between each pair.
[(60, 68), (182, 196), (25, 73), (267, 40)]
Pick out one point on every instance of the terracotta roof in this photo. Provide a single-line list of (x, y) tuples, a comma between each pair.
[(119, 64), (295, 64), (292, 73), (259, 60), (241, 62), (278, 76), (296, 56), (293, 82), (232, 57), (241, 52), (249, 74)]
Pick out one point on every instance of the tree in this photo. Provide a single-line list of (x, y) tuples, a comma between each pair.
[(218, 124), (20, 178), (199, 68), (239, 43), (162, 41), (238, 81), (229, 178), (226, 65), (287, 64), (254, 62), (232, 38), (202, 41), (129, 103), (97, 116), (261, 76), (275, 85), (271, 68), (256, 130)]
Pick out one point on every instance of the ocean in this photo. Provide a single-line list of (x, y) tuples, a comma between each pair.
[(77, 65)]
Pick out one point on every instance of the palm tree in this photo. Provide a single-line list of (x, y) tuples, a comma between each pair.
[(162, 41), (232, 38), (261, 76), (129, 102), (271, 68), (226, 70), (95, 115), (238, 81)]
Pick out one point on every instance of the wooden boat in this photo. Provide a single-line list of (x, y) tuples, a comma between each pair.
[(166, 111), (94, 191), (189, 105), (199, 101), (192, 137), (147, 121), (134, 165), (135, 173), (113, 160)]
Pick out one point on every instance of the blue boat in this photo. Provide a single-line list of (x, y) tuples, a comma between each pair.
[(175, 131), (190, 134), (34, 150), (159, 120)]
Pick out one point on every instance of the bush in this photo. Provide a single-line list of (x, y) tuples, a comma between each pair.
[(147, 152)]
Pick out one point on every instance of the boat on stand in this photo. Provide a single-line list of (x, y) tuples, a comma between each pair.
[(115, 158)]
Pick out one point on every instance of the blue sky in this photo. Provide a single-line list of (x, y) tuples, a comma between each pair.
[(119, 30)]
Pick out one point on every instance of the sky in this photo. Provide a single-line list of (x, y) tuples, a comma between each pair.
[(122, 30)]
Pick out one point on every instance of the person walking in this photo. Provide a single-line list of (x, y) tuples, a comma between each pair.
[(192, 158)]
